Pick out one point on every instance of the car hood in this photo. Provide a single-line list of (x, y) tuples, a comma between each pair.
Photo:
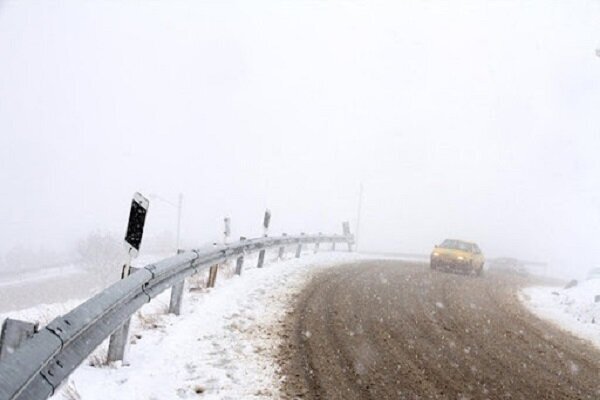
[(449, 253)]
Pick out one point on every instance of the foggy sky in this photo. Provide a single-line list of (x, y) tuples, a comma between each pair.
[(475, 120)]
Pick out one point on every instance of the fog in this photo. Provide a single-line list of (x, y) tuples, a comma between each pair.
[(474, 120)]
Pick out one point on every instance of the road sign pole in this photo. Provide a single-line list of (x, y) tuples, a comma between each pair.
[(117, 346)]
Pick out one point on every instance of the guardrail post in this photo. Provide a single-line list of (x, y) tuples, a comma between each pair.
[(117, 345), (281, 249), (333, 245), (318, 243), (299, 248), (176, 295), (347, 234), (176, 298), (212, 274), (14, 332), (240, 260), (261, 253)]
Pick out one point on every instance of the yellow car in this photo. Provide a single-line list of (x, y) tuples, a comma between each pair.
[(458, 254)]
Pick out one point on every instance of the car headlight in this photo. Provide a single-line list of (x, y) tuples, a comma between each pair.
[(460, 258), (435, 254)]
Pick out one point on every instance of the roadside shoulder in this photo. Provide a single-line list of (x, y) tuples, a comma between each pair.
[(574, 310)]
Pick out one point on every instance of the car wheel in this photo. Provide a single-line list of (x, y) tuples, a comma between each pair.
[(480, 270)]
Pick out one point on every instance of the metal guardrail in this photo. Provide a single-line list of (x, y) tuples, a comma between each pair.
[(37, 368)]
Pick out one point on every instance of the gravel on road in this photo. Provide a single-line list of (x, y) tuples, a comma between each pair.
[(397, 330)]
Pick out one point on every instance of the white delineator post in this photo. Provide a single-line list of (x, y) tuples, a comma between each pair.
[(261, 253), (214, 270), (318, 243), (227, 230), (226, 236), (299, 248)]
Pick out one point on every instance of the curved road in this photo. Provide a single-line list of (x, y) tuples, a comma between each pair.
[(396, 330)]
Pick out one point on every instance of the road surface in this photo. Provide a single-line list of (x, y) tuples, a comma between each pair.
[(396, 330)]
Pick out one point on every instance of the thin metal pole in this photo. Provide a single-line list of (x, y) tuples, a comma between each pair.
[(179, 206)]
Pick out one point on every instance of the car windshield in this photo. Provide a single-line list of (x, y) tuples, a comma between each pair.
[(455, 245)]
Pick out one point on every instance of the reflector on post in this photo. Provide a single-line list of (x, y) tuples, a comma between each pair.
[(266, 222), (227, 232), (135, 226)]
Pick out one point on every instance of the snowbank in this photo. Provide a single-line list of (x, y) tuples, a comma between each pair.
[(573, 309), (222, 346)]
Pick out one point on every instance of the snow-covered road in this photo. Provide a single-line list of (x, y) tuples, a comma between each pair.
[(222, 345)]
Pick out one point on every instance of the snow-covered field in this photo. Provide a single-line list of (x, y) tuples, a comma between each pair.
[(70, 283), (222, 346), (40, 275), (573, 309)]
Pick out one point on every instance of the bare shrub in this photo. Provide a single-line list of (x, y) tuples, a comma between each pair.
[(152, 320), (70, 392), (97, 359), (197, 282), (102, 254)]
